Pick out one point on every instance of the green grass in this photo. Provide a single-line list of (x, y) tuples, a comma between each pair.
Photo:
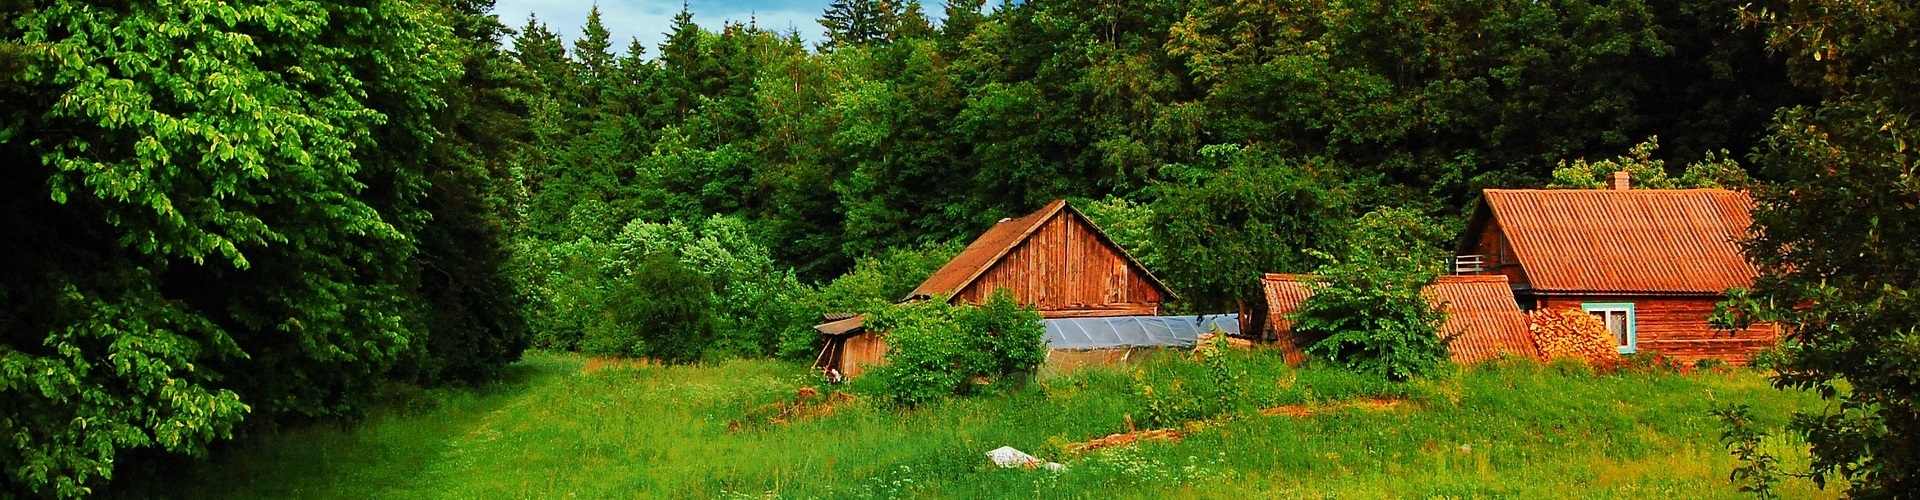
[(1511, 430)]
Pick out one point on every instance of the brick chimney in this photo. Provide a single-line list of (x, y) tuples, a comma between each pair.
[(1622, 181)]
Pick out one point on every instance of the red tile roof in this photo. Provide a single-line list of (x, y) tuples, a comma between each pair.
[(1481, 314), (1002, 238), (1625, 241)]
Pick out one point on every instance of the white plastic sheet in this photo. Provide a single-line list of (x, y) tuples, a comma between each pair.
[(1135, 331)]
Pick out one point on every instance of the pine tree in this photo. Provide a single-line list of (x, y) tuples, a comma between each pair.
[(854, 22)]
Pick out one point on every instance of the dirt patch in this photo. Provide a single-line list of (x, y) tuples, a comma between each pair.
[(1308, 410), (807, 404), (1124, 439)]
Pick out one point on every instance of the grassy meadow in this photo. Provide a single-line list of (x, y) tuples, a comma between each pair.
[(557, 428)]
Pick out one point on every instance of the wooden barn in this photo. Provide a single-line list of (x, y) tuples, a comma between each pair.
[(1482, 317), (1054, 259), (1650, 264)]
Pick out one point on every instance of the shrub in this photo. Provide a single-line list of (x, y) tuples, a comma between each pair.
[(1367, 311), (662, 309), (874, 282), (753, 302), (936, 349)]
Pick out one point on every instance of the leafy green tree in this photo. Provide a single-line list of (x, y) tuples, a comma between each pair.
[(472, 309), (660, 309), (1834, 238), (1241, 213), (1368, 311), (1442, 98), (1717, 170), (219, 212)]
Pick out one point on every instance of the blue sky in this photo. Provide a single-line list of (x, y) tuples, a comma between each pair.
[(648, 20)]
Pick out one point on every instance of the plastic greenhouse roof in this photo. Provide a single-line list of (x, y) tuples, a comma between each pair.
[(1134, 331)]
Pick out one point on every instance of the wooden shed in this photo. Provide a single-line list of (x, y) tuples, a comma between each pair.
[(1482, 318), (1650, 264), (1053, 259)]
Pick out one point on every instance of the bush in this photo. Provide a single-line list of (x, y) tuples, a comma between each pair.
[(936, 349), (874, 282), (753, 302), (662, 309), (1367, 311)]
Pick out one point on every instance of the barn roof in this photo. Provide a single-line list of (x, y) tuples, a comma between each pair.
[(1645, 241), (1480, 310), (1003, 237)]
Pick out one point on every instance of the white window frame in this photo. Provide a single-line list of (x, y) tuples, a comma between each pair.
[(1633, 337)]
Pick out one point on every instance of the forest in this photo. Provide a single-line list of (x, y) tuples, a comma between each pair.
[(224, 217)]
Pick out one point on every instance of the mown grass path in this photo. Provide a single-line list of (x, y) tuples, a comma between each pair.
[(553, 430)]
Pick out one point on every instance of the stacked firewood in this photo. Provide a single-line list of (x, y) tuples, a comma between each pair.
[(1572, 333)]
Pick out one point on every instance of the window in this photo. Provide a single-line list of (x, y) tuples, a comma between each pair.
[(1618, 317)]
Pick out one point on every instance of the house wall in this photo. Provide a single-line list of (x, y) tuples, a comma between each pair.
[(1677, 327), (1492, 243), (1066, 270)]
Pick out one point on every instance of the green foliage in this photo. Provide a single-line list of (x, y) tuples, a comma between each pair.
[(1222, 391), (1833, 238), (1130, 224), (256, 210), (936, 349), (1757, 473), (753, 303), (874, 282), (1368, 311), (1241, 213), (660, 309), (1718, 170)]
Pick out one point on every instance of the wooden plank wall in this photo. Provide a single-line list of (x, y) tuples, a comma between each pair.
[(1677, 328), (1492, 243), (855, 354), (1065, 270)]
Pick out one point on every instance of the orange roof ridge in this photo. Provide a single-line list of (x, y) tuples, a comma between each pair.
[(1471, 278)]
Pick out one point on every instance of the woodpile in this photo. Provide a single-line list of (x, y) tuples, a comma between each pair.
[(1206, 339), (1572, 333)]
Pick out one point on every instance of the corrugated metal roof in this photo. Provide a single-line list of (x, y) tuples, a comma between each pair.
[(1002, 238), (1480, 309), (837, 316), (1626, 241)]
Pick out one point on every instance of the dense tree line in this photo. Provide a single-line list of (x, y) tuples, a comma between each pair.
[(226, 214), (223, 214)]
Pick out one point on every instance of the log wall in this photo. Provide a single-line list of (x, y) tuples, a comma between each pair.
[(1065, 270), (1676, 327)]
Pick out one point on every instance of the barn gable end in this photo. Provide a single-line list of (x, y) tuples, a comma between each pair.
[(1054, 259)]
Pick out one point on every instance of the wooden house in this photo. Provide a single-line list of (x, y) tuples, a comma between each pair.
[(1650, 264), (1482, 318), (1053, 259)]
